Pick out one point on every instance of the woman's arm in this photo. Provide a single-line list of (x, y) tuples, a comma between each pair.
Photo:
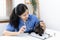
[(8, 33)]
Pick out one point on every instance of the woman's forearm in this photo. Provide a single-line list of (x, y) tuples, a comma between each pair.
[(8, 33)]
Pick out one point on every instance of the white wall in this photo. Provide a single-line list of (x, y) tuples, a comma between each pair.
[(2, 8), (16, 2), (50, 13)]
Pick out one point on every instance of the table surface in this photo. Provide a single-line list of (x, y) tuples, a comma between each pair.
[(25, 36)]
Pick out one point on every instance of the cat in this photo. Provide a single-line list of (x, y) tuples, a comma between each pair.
[(37, 29)]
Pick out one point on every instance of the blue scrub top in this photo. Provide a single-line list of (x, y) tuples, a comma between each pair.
[(30, 24)]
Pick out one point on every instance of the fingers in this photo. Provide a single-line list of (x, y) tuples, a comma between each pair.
[(22, 29), (42, 23)]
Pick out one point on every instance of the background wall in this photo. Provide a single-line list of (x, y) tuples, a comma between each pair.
[(2, 8), (15, 2), (50, 13)]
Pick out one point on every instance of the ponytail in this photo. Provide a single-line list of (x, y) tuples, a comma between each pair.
[(14, 19)]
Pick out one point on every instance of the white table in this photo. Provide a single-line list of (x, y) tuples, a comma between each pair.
[(55, 36)]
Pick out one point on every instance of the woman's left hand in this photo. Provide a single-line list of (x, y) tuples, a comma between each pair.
[(43, 25)]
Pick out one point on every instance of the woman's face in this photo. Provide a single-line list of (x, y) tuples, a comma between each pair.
[(24, 16)]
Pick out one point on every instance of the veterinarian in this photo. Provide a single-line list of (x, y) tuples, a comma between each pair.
[(20, 21)]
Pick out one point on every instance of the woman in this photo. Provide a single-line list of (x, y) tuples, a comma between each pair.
[(20, 21)]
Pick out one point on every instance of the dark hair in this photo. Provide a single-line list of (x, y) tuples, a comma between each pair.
[(17, 11)]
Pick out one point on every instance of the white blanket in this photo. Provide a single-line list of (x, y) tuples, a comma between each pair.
[(49, 35)]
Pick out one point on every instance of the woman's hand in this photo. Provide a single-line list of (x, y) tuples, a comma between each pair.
[(43, 25), (22, 29)]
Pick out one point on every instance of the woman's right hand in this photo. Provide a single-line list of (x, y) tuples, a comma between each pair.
[(22, 29)]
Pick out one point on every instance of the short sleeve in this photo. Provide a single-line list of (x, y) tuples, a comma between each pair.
[(36, 20), (10, 28)]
